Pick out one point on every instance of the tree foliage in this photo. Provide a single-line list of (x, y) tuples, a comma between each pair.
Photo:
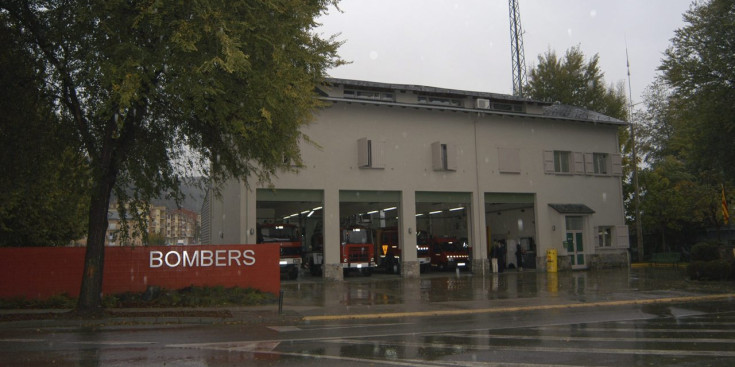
[(655, 124), (687, 128), (157, 92), (700, 67), (43, 188), (674, 204), (572, 80)]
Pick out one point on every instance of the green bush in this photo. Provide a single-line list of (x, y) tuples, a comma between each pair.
[(705, 251), (156, 297), (60, 301), (709, 270)]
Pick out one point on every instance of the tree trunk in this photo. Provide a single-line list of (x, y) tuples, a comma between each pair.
[(90, 294)]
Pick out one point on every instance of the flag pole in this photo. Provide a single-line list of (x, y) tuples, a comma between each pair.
[(637, 199)]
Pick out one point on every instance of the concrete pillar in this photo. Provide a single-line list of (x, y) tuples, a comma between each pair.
[(407, 235), (332, 266), (249, 217), (478, 237)]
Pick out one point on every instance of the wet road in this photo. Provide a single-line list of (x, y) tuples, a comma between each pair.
[(650, 319)]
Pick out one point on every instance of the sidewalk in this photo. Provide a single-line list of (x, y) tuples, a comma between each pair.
[(312, 299)]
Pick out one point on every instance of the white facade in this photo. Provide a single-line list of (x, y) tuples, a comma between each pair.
[(522, 171)]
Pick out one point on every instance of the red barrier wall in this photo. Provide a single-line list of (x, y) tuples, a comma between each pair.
[(41, 272)]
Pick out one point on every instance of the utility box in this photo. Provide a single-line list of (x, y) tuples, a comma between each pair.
[(551, 261)]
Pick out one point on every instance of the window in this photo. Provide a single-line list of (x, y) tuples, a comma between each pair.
[(440, 101), (604, 236), (603, 164), (574, 223), (600, 163), (369, 153), (444, 156), (368, 94), (561, 161)]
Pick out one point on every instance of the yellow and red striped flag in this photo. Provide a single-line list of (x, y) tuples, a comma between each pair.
[(725, 213)]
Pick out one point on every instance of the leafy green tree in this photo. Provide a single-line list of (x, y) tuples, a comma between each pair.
[(656, 123), (700, 67), (43, 187), (666, 205), (677, 204), (160, 92), (572, 80), (156, 239)]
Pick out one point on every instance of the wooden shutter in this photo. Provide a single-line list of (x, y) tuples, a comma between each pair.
[(616, 161), (578, 163), (589, 163), (548, 161), (363, 152)]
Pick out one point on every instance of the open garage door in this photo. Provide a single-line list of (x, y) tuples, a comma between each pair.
[(443, 222), (369, 238), (292, 218), (511, 229)]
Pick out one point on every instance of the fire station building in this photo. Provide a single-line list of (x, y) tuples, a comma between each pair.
[(498, 174)]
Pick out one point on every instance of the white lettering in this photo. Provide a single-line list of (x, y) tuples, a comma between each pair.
[(233, 256), (201, 258), (206, 258), (178, 259), (220, 258), (191, 261), (248, 257), (156, 259)]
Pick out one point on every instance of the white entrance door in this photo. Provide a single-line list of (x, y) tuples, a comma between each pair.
[(575, 241)]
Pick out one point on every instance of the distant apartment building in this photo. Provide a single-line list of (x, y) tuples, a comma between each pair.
[(173, 226), (157, 220), (115, 231), (181, 227)]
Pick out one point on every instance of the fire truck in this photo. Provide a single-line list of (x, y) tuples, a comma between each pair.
[(289, 238), (389, 251), (449, 253), (357, 249), (422, 251)]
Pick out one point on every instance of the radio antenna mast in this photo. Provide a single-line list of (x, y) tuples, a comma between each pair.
[(517, 54)]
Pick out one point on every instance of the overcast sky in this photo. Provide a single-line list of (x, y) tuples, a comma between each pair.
[(465, 44)]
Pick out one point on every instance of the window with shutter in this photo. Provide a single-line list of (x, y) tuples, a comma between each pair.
[(443, 156)]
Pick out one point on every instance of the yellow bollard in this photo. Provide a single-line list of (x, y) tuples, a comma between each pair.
[(551, 261)]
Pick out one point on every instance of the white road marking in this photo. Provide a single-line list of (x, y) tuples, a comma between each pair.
[(591, 338), (113, 342), (463, 347)]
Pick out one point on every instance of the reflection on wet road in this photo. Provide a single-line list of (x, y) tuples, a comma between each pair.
[(629, 317), (693, 338)]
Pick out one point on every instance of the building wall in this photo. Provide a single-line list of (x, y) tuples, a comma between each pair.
[(404, 135)]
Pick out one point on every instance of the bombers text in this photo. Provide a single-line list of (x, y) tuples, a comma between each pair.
[(202, 258)]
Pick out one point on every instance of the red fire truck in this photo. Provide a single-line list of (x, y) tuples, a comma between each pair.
[(289, 238), (449, 253), (422, 251), (357, 249), (389, 251)]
